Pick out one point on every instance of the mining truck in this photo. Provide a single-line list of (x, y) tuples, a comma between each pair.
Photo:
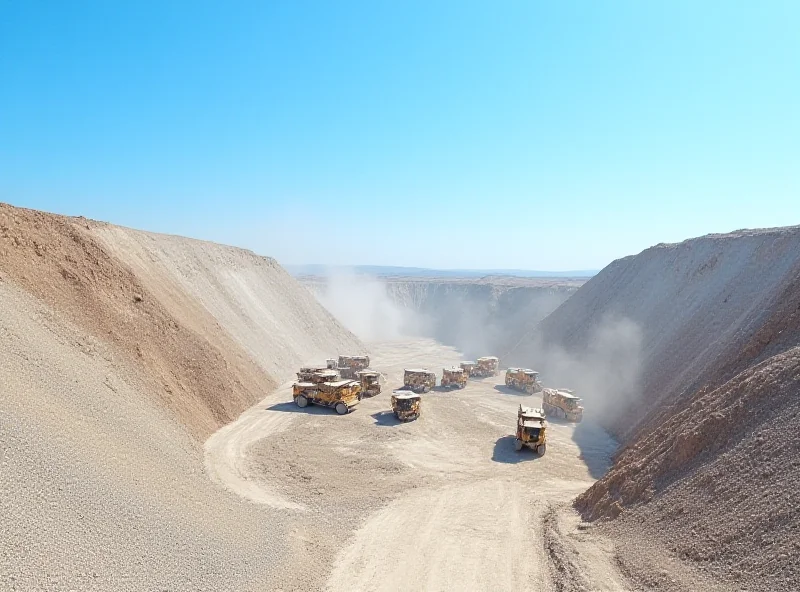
[(419, 380), (349, 365), (341, 395), (316, 374), (531, 430), (468, 367), (406, 405), (562, 403), (454, 377), (370, 382), (486, 366), (523, 379)]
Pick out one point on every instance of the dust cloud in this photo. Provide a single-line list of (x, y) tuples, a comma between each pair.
[(362, 305), (605, 371)]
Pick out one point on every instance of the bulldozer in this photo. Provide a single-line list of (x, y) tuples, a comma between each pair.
[(406, 405), (349, 365), (454, 377), (524, 380), (531, 430), (468, 367), (418, 380), (486, 366), (562, 403), (341, 395), (370, 382)]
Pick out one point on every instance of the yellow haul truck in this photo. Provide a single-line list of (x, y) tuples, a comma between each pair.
[(370, 382), (486, 366), (562, 403), (523, 379), (342, 395), (468, 366), (531, 430), (419, 380), (349, 365), (406, 405), (454, 377)]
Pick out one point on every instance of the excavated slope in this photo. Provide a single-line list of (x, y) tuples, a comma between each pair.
[(694, 304), (709, 467), (120, 351)]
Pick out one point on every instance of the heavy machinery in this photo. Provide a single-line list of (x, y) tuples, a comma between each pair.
[(317, 375), (349, 365), (562, 403), (524, 380), (342, 395), (370, 382), (454, 377), (468, 367), (406, 405), (419, 380), (486, 366), (531, 430)]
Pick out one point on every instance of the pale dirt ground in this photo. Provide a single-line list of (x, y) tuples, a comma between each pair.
[(442, 503)]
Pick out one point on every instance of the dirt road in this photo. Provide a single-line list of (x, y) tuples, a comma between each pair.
[(441, 503)]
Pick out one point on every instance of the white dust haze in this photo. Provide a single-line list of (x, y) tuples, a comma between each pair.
[(605, 369), (361, 304)]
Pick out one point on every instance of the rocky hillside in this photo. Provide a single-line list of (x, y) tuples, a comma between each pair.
[(120, 351), (676, 314), (708, 468), (477, 316)]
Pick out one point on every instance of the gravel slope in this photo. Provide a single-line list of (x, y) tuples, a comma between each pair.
[(707, 477), (693, 305), (120, 352)]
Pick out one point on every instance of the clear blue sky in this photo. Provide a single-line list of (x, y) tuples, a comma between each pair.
[(530, 134)]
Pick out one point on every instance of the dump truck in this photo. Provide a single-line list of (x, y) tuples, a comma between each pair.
[(419, 380), (341, 395), (317, 374), (349, 365), (454, 377), (562, 403), (523, 379), (468, 367), (486, 366), (406, 405), (531, 430), (370, 382)]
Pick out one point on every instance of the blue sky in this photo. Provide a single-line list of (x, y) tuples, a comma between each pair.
[(538, 135)]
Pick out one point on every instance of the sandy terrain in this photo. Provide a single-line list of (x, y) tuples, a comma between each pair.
[(442, 503)]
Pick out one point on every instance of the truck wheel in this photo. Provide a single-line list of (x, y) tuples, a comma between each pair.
[(301, 400), (518, 444), (341, 409), (541, 449)]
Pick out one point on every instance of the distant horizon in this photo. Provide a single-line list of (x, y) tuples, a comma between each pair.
[(321, 269)]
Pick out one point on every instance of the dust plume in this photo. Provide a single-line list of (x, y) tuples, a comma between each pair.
[(361, 304), (605, 371)]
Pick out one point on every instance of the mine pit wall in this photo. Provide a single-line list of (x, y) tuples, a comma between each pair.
[(694, 305), (208, 330), (707, 471), (478, 317)]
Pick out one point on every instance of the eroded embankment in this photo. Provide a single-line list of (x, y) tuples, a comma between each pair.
[(708, 469), (120, 351)]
